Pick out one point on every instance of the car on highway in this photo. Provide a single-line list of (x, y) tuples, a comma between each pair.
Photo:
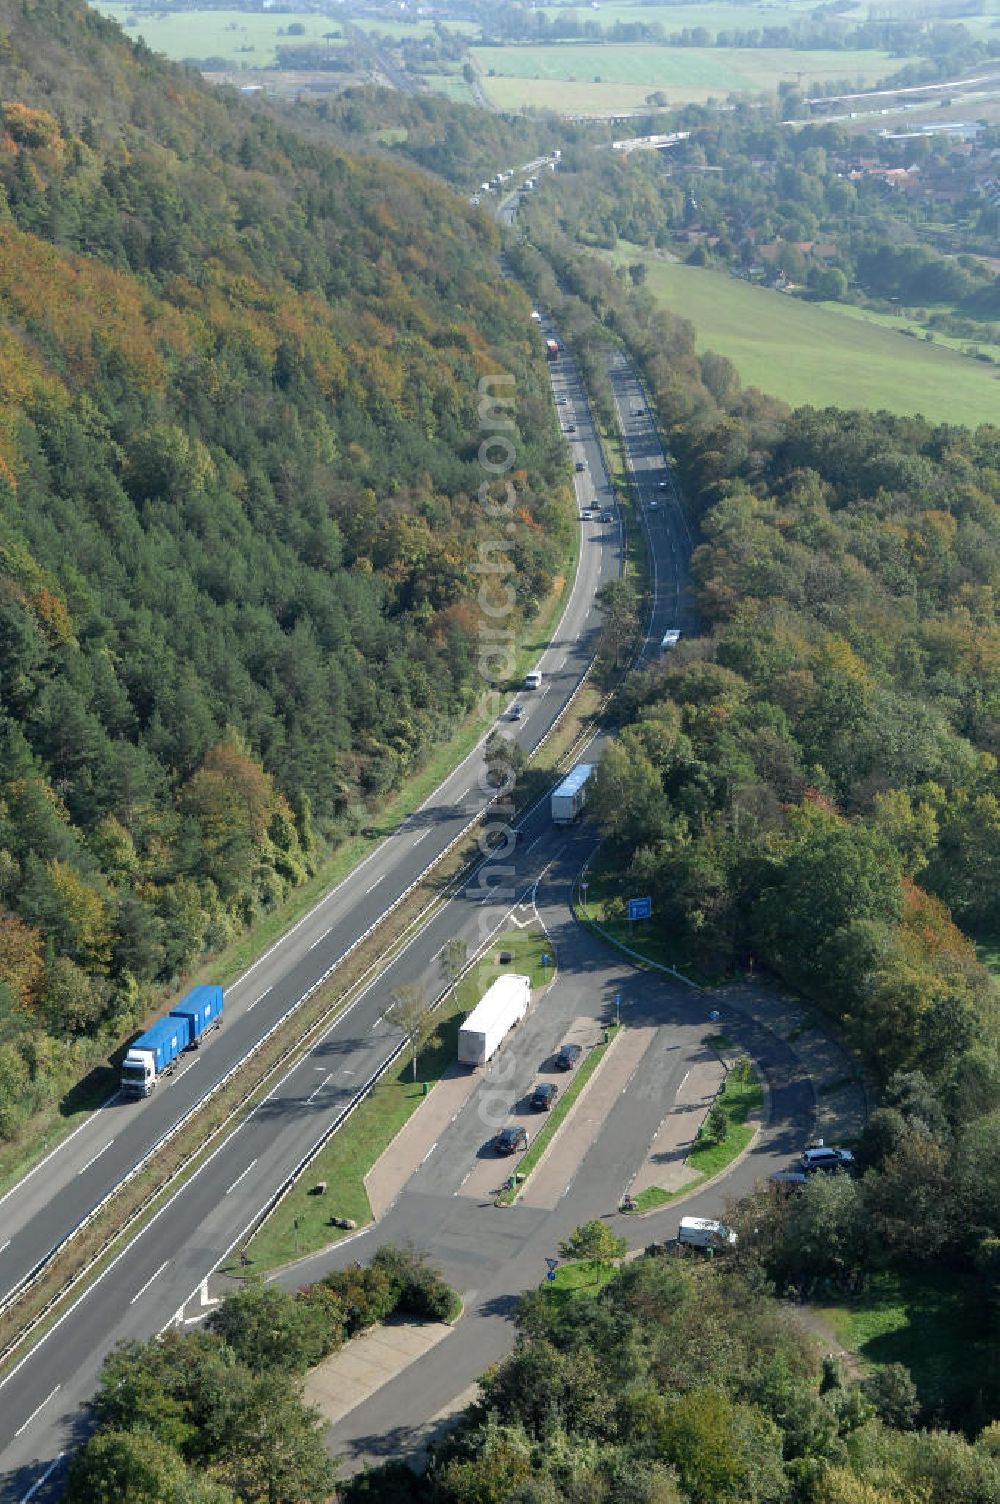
[(607, 516), (670, 639), (567, 1056), (826, 1157), (571, 428), (544, 1095), (562, 401), (511, 1140), (586, 515), (654, 506), (516, 712), (663, 484), (581, 465)]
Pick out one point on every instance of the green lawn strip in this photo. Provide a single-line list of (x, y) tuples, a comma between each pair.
[(740, 1099), (583, 1277), (352, 1151), (564, 1102), (926, 1321), (49, 1128), (653, 1196)]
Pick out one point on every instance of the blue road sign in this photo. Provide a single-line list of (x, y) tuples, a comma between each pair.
[(640, 908), (551, 1274)]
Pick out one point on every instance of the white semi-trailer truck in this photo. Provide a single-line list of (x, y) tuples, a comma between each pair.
[(571, 795), (491, 1020)]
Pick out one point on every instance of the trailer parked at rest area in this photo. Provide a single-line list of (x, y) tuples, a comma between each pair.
[(500, 1009)]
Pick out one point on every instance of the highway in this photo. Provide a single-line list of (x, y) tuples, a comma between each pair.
[(45, 1207), (160, 1271)]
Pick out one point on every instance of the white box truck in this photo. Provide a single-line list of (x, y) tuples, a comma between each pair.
[(703, 1232), (493, 1017), (570, 796)]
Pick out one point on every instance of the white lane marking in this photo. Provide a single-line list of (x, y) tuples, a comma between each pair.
[(243, 1176), (419, 838), (533, 845), (319, 1088), (321, 939), (562, 661), (95, 1157), (6, 1245), (32, 1491), (374, 884), (346, 1072), (149, 1281), (259, 999), (430, 1151), (34, 1412)]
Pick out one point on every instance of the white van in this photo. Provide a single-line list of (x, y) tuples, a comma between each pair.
[(533, 680), (670, 640), (702, 1232)]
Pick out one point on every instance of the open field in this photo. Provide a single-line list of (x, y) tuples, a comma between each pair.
[(991, 331), (243, 37), (924, 1322), (722, 16), (805, 353), (564, 76)]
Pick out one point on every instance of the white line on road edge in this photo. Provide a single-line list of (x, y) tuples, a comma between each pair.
[(374, 885), (3, 1246), (95, 1157), (32, 1491), (425, 832), (149, 1281), (25, 1424), (258, 999), (242, 1176), (321, 939)]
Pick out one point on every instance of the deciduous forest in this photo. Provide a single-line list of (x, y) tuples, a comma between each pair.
[(238, 514)]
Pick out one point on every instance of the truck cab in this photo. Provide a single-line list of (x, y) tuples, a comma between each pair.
[(138, 1073), (533, 680)]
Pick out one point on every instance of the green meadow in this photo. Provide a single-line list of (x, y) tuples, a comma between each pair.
[(622, 74), (810, 353), (242, 37)]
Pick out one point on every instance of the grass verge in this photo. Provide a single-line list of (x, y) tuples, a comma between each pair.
[(563, 1105), (929, 1323), (606, 888), (300, 1223), (652, 1197), (586, 1277)]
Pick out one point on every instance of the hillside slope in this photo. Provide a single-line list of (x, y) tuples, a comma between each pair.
[(238, 509)]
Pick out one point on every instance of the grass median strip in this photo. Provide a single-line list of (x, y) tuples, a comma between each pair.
[(300, 1223), (563, 1105)]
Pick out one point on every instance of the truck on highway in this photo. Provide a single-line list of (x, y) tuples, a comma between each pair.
[(154, 1053), (569, 798), (551, 350), (502, 1007)]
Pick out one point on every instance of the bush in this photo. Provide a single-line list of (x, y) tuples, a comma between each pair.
[(422, 1291), (365, 1296)]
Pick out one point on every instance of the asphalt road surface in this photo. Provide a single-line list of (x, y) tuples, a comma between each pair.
[(159, 1272), (493, 1254)]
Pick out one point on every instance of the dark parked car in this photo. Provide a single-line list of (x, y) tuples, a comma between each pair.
[(544, 1095), (510, 1140), (567, 1056), (827, 1158)]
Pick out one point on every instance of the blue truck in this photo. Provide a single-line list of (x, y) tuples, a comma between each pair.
[(155, 1052)]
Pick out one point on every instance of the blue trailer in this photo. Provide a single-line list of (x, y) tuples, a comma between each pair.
[(154, 1053), (201, 1010)]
